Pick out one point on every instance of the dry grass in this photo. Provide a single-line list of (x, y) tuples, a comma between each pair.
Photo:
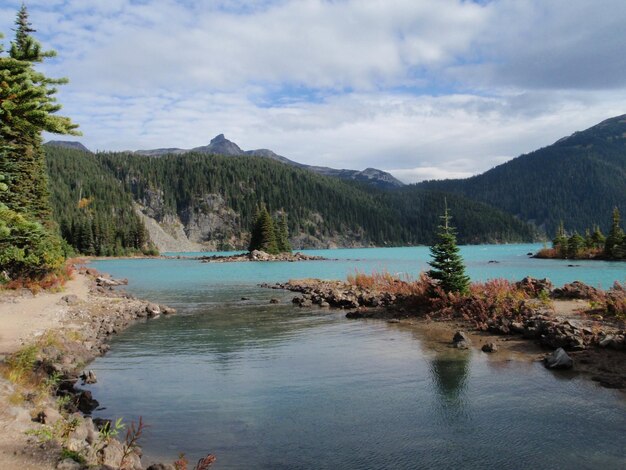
[(386, 282)]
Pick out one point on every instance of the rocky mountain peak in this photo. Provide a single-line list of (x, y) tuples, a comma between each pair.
[(218, 139)]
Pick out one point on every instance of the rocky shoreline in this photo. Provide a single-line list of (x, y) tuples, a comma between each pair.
[(581, 331), (60, 357)]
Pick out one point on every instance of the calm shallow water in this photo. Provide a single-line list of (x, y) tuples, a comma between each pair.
[(277, 387)]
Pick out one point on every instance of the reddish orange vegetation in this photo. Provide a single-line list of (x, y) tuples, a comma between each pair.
[(385, 282), (50, 281), (490, 299), (585, 253)]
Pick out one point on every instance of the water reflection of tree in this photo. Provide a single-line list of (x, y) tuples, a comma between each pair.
[(449, 374)]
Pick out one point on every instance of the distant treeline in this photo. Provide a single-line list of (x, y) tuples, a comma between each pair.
[(593, 245)]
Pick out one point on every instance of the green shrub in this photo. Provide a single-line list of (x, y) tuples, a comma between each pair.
[(27, 248)]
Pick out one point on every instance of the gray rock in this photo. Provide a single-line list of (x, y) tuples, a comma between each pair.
[(274, 301), (89, 377), (86, 402), (489, 347), (161, 466), (70, 299), (558, 360), (461, 340), (50, 416), (68, 464), (153, 310)]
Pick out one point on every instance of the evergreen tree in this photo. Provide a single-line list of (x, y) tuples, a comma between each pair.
[(29, 248), (263, 234), (268, 234), (598, 238), (255, 232), (282, 235), (27, 108), (448, 267), (559, 243), (615, 236), (575, 244)]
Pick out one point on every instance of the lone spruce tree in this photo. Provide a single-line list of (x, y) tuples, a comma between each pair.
[(448, 268)]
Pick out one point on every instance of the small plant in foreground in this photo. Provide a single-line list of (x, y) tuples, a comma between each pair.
[(203, 464), (131, 443), (21, 364), (74, 455), (108, 432)]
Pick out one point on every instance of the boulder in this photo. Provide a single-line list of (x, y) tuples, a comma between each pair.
[(153, 310), (534, 286), (89, 377), (86, 402), (106, 282), (489, 347), (575, 290), (558, 360), (461, 340), (68, 464), (257, 255), (165, 310), (161, 466)]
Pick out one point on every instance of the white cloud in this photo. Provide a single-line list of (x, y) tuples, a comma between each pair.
[(426, 88)]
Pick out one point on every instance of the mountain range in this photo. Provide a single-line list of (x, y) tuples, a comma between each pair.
[(206, 197), (220, 145)]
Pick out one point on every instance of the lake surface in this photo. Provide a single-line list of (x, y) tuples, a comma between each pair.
[(278, 387)]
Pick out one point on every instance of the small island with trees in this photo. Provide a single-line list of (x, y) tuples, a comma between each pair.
[(269, 241), (594, 245)]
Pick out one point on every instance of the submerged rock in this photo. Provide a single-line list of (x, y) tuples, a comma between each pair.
[(558, 360)]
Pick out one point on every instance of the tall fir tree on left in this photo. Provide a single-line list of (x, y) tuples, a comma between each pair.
[(29, 244), (27, 108)]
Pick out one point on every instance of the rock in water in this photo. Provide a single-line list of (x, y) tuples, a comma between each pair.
[(558, 360), (490, 347), (86, 402), (89, 377), (461, 340)]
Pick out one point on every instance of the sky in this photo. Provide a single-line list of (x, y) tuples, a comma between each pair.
[(424, 89)]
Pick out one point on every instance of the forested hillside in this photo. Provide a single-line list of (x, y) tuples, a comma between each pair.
[(94, 212), (577, 180), (215, 198)]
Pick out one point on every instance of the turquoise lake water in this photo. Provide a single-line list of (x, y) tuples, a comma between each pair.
[(279, 387)]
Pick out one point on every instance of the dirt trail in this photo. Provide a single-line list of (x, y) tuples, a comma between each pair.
[(25, 317), (22, 318)]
